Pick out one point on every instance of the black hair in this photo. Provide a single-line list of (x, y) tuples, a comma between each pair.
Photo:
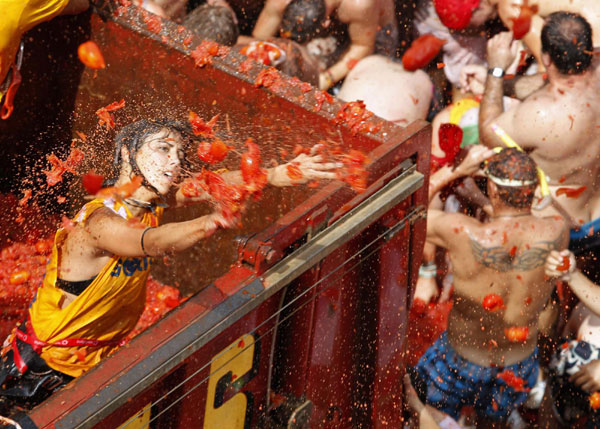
[(215, 23), (513, 164), (134, 135), (302, 20), (567, 38)]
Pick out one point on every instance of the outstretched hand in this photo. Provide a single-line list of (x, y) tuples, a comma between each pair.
[(472, 162), (557, 265), (310, 167)]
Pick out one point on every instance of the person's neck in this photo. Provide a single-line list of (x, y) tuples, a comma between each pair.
[(565, 83), (140, 201)]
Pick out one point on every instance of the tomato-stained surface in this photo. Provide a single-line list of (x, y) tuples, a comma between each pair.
[(151, 69)]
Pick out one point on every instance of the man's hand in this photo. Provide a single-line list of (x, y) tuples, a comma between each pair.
[(588, 377), (311, 167), (502, 50), (472, 162), (426, 289), (556, 264), (472, 78)]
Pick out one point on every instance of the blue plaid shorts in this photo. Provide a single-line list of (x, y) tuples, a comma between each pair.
[(447, 381)]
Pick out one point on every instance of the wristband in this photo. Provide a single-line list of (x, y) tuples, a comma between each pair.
[(496, 72), (428, 271), (142, 239)]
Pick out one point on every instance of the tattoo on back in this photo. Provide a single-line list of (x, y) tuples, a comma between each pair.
[(499, 259)]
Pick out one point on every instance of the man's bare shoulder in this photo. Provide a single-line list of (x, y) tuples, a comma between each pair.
[(357, 10)]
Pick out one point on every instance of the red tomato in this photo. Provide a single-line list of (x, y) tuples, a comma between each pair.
[(19, 277), (493, 302), (92, 182), (90, 55), (595, 400), (516, 334), (565, 264), (421, 52)]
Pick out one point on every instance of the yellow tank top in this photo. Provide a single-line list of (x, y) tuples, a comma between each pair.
[(107, 310), (18, 17)]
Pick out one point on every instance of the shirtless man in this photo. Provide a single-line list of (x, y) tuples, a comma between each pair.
[(557, 124), (499, 292), (369, 22)]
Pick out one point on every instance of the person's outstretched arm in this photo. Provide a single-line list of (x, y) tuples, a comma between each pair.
[(111, 233), (586, 290)]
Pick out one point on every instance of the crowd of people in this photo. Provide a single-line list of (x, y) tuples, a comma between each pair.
[(512, 222)]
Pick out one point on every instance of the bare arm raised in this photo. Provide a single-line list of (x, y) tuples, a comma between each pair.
[(362, 17)]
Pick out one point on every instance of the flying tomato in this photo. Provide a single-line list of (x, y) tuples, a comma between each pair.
[(90, 55)]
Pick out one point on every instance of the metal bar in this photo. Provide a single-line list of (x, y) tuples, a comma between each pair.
[(344, 229)]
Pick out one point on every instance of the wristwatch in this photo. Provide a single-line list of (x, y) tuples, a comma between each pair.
[(496, 72)]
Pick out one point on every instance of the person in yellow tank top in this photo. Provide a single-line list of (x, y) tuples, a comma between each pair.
[(18, 17), (94, 289)]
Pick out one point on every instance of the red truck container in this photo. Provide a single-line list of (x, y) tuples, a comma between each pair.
[(298, 321)]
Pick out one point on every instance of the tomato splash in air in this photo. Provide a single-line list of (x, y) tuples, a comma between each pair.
[(516, 334), (517, 383), (212, 152), (354, 172), (205, 51), (522, 23), (199, 127), (254, 176), (450, 139), (493, 302), (105, 117), (92, 182), (55, 174), (565, 264), (570, 192), (123, 191), (421, 52), (90, 55), (229, 198)]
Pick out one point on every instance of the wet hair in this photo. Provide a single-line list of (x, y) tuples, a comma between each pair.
[(134, 135), (567, 38), (302, 20), (215, 23), (513, 164)]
